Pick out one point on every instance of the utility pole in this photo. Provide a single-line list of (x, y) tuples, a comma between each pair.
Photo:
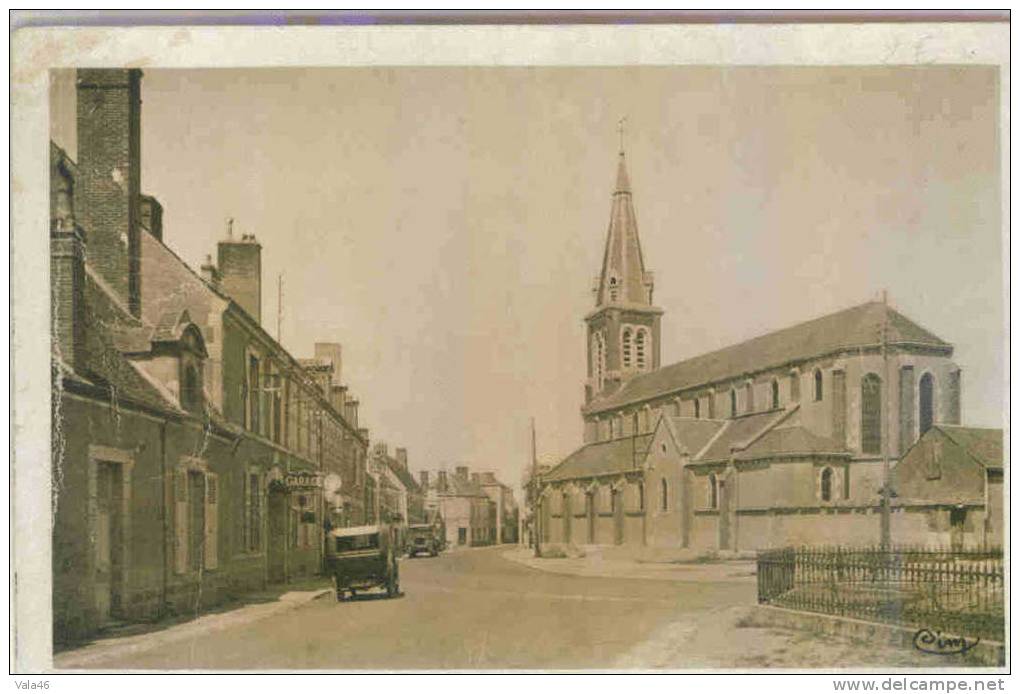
[(535, 514), (885, 431)]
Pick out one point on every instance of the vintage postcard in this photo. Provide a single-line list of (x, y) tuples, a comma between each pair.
[(522, 349)]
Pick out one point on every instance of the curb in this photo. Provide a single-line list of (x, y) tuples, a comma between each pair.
[(985, 653), (636, 572), (92, 655)]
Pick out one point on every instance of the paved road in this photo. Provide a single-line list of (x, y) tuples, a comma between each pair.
[(468, 609)]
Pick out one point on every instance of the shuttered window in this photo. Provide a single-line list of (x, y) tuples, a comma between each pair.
[(212, 525)]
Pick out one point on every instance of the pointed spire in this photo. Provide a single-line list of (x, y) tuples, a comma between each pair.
[(622, 179), (623, 279)]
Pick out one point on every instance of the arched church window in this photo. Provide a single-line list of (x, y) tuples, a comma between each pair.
[(733, 402), (927, 403), (749, 396), (713, 492), (664, 492), (871, 414), (676, 407), (191, 390), (697, 408), (826, 484), (818, 384), (640, 344), (614, 288), (628, 347), (635, 424), (795, 386), (599, 360), (775, 394)]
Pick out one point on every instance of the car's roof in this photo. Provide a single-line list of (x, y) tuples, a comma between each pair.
[(356, 530)]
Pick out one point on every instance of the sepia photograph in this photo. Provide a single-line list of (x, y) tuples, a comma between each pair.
[(523, 366)]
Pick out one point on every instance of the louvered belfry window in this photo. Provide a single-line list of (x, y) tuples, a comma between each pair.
[(871, 414)]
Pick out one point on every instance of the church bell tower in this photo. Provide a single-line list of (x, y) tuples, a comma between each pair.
[(624, 326)]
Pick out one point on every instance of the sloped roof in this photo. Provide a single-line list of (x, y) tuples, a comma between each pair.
[(693, 434), (790, 440), (853, 327), (602, 458), (738, 433), (984, 445), (402, 474), (107, 324)]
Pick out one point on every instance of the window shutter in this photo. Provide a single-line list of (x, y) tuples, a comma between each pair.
[(181, 521), (211, 554)]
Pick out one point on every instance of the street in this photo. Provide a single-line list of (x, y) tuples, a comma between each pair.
[(470, 609)]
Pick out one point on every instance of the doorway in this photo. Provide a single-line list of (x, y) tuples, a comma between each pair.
[(590, 501), (724, 516), (276, 542), (617, 501), (196, 520), (109, 546), (957, 523)]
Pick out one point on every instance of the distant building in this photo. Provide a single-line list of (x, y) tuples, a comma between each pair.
[(505, 530), (776, 440), (400, 498), (467, 511), (948, 489)]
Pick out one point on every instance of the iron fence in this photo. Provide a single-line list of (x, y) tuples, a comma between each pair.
[(953, 591)]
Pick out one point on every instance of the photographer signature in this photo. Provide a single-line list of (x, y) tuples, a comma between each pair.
[(928, 641)]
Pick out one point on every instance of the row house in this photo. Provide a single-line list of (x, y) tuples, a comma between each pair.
[(400, 498), (189, 447), (468, 512)]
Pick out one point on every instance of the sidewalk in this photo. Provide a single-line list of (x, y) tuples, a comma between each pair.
[(644, 564), (253, 607)]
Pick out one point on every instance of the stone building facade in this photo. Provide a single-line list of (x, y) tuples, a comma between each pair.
[(776, 440), (467, 512), (188, 445)]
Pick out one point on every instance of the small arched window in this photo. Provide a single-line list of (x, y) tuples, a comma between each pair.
[(614, 289), (676, 407), (733, 403), (628, 347), (826, 486), (713, 492), (926, 402), (749, 397), (794, 386), (818, 384), (697, 408), (775, 394), (640, 343), (664, 494), (635, 423), (871, 414)]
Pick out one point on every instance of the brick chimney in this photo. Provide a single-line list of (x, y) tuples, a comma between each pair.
[(476, 478), (240, 264), (423, 475), (462, 472), (331, 352), (442, 483), (401, 455), (210, 273), (67, 265), (109, 176), (381, 450), (151, 215)]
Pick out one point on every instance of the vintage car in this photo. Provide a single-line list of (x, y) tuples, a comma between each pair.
[(424, 539), (361, 558)]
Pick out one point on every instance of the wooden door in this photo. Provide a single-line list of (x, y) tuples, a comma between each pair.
[(276, 542), (107, 543), (724, 516)]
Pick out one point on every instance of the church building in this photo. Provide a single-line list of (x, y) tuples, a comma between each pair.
[(774, 441)]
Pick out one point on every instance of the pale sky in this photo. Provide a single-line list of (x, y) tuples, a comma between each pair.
[(444, 224)]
